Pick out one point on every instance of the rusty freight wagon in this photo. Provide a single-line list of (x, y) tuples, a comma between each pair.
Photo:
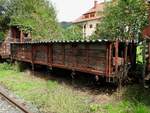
[(14, 34), (98, 57)]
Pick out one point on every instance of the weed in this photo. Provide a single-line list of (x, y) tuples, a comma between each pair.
[(50, 96)]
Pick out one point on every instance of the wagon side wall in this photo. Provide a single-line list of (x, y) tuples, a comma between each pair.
[(85, 57), (22, 52)]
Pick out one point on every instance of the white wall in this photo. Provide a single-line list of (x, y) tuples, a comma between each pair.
[(89, 31)]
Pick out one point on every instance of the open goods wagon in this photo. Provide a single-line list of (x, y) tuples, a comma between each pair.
[(98, 57)]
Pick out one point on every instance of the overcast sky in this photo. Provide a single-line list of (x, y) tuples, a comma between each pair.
[(69, 10)]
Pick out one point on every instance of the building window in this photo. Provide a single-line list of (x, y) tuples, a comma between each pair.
[(85, 26), (91, 26), (92, 15), (97, 25), (87, 16)]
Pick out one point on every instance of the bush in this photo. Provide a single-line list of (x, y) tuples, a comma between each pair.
[(2, 36), (6, 66)]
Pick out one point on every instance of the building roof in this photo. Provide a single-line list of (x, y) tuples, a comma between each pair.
[(97, 9)]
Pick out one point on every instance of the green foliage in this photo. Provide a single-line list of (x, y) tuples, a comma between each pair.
[(35, 16), (6, 66), (52, 96), (65, 24), (124, 19), (94, 107), (2, 35), (120, 107), (72, 32), (48, 95), (3, 20)]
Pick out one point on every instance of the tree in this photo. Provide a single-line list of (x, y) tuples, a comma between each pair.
[(35, 16), (123, 19), (72, 32), (3, 20)]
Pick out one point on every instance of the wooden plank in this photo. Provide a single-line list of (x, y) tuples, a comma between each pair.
[(47, 49), (116, 56), (85, 70), (107, 60), (110, 60), (149, 56)]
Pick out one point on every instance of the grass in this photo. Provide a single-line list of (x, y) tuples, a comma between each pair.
[(52, 97), (49, 96), (122, 107)]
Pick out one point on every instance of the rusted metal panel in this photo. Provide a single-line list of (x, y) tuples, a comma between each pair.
[(107, 60), (116, 56), (50, 56), (26, 52), (92, 58), (97, 56), (148, 57), (81, 55), (85, 70), (70, 59), (58, 54), (110, 60), (5, 50), (40, 54)]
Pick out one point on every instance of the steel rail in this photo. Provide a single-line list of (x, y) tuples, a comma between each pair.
[(14, 102)]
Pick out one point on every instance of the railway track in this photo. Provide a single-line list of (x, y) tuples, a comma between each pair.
[(10, 105)]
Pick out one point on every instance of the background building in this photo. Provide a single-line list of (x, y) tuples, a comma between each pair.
[(90, 19)]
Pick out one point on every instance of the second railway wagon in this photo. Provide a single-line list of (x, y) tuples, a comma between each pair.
[(98, 57)]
